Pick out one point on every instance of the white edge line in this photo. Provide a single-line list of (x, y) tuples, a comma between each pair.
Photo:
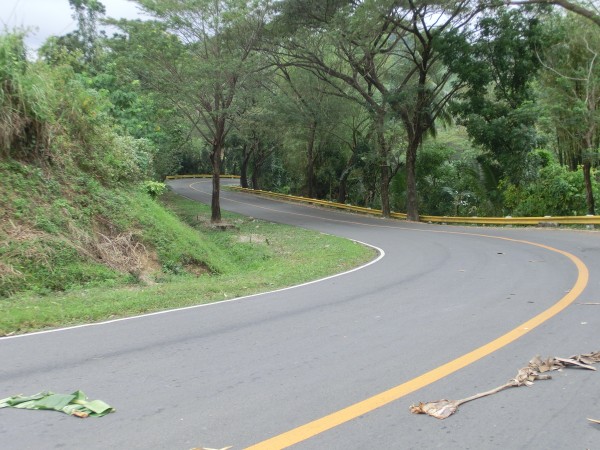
[(167, 311)]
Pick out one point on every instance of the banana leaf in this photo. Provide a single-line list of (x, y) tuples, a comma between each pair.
[(75, 404)]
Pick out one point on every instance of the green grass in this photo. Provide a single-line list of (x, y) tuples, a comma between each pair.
[(198, 265), (53, 229)]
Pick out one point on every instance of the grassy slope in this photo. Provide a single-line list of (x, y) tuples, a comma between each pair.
[(60, 232), (73, 251)]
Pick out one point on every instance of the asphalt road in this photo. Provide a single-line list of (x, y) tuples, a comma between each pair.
[(241, 372)]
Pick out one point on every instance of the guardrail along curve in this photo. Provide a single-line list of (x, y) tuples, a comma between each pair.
[(508, 220), (542, 220)]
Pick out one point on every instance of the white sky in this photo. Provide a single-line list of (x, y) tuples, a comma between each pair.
[(53, 17)]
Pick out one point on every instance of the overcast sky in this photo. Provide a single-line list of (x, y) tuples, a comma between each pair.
[(53, 17)]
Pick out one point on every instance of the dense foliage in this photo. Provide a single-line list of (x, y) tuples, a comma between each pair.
[(72, 210), (83, 144), (426, 107)]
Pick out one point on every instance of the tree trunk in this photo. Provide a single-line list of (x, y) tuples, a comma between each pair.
[(244, 168), (385, 189), (383, 161), (412, 204), (256, 166), (589, 193), (343, 183), (215, 159), (343, 180), (310, 169)]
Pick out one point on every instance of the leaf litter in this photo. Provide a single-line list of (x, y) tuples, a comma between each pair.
[(535, 370)]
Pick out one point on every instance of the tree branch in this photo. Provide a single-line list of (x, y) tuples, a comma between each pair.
[(566, 4)]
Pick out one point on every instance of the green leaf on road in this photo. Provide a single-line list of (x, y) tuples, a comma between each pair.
[(75, 404)]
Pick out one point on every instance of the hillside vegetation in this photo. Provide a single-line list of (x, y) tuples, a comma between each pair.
[(72, 210), (75, 213), (61, 231)]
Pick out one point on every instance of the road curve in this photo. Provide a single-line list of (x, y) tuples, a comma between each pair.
[(255, 372)]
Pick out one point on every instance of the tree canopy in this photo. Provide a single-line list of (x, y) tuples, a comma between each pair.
[(446, 107)]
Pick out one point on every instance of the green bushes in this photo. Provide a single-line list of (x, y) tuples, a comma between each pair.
[(51, 115), (451, 181), (41, 263), (26, 101), (62, 231), (462, 183), (551, 190), (154, 188), (69, 197)]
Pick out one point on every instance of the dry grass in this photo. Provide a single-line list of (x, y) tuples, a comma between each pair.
[(17, 232), (6, 271), (121, 251), (196, 268), (21, 134), (20, 232), (253, 239)]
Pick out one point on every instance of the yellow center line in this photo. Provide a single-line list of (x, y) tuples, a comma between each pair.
[(351, 412)]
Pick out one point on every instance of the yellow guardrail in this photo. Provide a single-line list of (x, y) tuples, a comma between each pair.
[(179, 177), (314, 201), (559, 220), (550, 220)]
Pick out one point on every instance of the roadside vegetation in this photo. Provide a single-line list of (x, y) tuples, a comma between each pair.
[(425, 107), (84, 236), (181, 264)]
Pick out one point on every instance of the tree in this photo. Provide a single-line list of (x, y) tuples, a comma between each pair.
[(87, 13), (385, 52), (497, 65), (425, 86), (570, 91), (327, 41), (199, 56), (258, 129), (313, 113), (82, 47), (356, 138)]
